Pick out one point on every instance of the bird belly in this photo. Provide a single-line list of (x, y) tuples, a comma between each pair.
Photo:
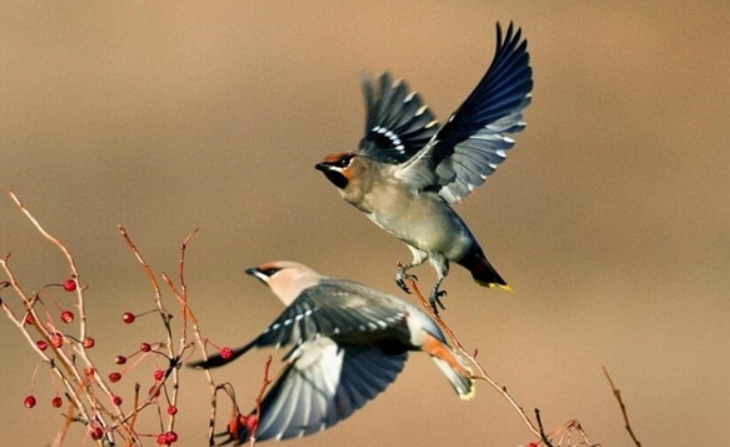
[(427, 224)]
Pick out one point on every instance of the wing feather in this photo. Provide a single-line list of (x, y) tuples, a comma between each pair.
[(474, 141), (398, 124)]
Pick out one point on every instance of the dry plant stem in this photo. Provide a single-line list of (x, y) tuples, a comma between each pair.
[(472, 358), (543, 437), (61, 435), (182, 297), (74, 397), (566, 430), (168, 329), (617, 394), (59, 353), (69, 259), (180, 294), (264, 384), (199, 340)]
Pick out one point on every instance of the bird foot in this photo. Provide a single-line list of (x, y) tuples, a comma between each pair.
[(435, 300), (401, 277)]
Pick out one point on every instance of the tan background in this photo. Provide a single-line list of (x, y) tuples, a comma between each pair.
[(611, 218)]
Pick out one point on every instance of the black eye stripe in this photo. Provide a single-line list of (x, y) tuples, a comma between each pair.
[(344, 161), (270, 271)]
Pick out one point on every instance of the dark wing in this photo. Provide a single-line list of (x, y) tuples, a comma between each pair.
[(324, 384), (331, 309), (473, 142), (398, 124)]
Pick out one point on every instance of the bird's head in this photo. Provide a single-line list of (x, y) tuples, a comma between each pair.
[(286, 279), (341, 168)]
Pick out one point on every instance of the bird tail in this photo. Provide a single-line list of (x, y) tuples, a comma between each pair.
[(460, 381), (482, 271), (451, 364)]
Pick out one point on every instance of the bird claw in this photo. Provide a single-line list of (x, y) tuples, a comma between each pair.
[(435, 300), (401, 277)]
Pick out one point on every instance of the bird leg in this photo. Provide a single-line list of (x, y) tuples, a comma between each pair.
[(401, 276), (435, 297), (441, 264)]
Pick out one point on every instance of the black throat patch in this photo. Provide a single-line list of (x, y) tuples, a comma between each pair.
[(337, 178)]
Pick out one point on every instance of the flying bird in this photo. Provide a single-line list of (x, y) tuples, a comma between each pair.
[(348, 343), (408, 171)]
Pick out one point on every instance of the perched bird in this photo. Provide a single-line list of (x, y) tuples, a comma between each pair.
[(408, 171), (349, 342)]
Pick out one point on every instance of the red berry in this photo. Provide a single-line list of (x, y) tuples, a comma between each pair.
[(115, 377), (96, 433), (117, 400), (89, 342), (145, 347), (29, 401), (120, 360), (162, 439), (28, 319), (171, 410), (159, 374), (42, 345), (57, 340), (89, 371), (128, 317), (57, 402), (226, 353), (251, 422), (171, 437), (69, 285), (67, 316)]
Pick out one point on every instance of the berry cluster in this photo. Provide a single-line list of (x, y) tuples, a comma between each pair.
[(59, 347), (92, 392)]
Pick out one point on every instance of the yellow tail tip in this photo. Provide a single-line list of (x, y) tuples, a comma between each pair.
[(505, 287), (470, 395)]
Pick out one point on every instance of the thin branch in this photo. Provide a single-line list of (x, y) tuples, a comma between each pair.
[(71, 263), (472, 358), (68, 363), (617, 394), (543, 436), (264, 384)]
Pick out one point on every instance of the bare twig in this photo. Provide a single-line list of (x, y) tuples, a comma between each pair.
[(70, 374), (537, 430), (264, 384), (617, 394), (482, 374), (543, 436)]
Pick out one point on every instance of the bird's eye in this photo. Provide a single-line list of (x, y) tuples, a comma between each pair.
[(344, 161), (270, 271)]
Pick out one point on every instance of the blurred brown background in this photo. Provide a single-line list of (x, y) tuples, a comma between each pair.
[(611, 217)]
